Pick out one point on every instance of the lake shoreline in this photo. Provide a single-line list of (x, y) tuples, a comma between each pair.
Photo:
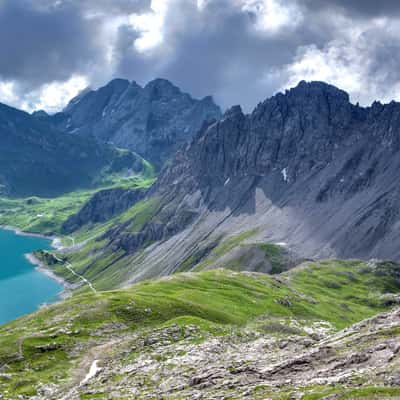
[(42, 268), (39, 265), (55, 240)]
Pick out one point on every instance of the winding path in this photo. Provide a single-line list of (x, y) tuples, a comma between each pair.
[(70, 269)]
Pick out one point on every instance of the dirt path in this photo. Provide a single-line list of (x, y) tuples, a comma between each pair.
[(81, 277), (91, 365)]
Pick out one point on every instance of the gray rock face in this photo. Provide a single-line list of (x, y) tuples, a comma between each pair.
[(306, 168), (104, 205), (152, 121)]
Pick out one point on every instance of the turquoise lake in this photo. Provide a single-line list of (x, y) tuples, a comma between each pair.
[(22, 288)]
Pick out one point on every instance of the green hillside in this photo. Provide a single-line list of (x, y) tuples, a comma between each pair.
[(49, 346), (36, 159)]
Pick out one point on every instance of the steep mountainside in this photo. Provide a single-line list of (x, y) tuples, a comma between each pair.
[(306, 169), (215, 335), (153, 121), (37, 159)]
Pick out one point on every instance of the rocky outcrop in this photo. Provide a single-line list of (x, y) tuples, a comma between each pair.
[(173, 362), (104, 205), (153, 120)]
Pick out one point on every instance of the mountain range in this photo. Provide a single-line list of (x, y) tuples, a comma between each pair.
[(221, 277), (306, 170), (48, 155)]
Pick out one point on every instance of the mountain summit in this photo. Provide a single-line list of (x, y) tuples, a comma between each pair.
[(153, 120)]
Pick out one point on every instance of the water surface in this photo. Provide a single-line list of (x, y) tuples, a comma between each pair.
[(22, 288)]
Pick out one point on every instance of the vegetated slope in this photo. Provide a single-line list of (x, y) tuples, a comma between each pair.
[(153, 120), (37, 159), (306, 168), (214, 334), (47, 216)]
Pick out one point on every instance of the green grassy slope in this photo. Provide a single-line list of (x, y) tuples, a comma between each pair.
[(48, 345), (46, 215), (98, 262), (106, 268)]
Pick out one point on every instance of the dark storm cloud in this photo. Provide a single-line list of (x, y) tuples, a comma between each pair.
[(362, 8), (44, 44), (113, 6), (216, 51), (219, 51), (46, 40), (224, 48)]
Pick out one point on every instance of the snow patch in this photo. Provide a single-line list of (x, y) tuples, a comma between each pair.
[(94, 370), (285, 174)]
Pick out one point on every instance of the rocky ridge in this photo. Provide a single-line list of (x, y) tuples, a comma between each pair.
[(306, 168)]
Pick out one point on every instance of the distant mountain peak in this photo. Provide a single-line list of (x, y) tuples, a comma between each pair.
[(153, 120), (318, 87), (160, 82), (40, 114), (162, 87), (233, 111)]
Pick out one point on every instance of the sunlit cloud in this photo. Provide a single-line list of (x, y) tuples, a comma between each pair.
[(273, 15), (150, 25), (51, 97)]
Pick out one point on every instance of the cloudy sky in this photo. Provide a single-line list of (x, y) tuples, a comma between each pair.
[(240, 51)]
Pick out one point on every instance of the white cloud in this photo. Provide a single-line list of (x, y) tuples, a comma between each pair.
[(337, 63), (150, 26), (350, 62), (7, 93), (273, 15), (56, 95), (50, 97)]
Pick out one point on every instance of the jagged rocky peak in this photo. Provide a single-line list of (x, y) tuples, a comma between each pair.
[(233, 112), (317, 88), (159, 88), (153, 120), (40, 114), (294, 132), (311, 103)]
